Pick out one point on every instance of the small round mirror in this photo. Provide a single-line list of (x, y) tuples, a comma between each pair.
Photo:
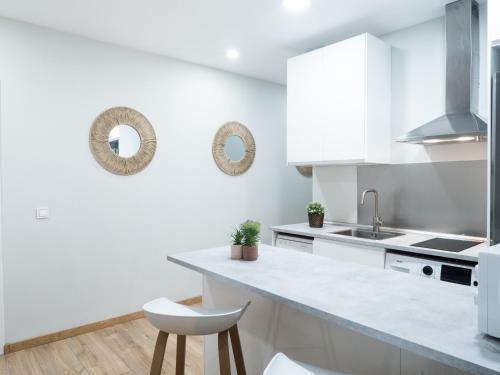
[(124, 141), (234, 148)]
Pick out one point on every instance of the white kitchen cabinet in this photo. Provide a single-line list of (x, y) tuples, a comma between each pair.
[(297, 243), (366, 255), (338, 104), (303, 131)]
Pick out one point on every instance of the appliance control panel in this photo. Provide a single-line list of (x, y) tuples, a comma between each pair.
[(442, 269)]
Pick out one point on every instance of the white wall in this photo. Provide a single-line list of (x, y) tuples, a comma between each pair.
[(494, 24), (2, 306), (67, 270), (336, 187)]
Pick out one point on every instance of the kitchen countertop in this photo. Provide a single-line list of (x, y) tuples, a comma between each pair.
[(425, 316), (401, 243)]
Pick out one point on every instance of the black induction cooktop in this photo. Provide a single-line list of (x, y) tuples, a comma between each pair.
[(446, 244)]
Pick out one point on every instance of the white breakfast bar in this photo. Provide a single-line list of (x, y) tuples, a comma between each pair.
[(343, 316)]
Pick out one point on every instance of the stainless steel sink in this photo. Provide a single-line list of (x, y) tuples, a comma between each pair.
[(361, 233)]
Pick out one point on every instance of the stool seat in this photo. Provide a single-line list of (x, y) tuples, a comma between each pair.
[(281, 364), (179, 319)]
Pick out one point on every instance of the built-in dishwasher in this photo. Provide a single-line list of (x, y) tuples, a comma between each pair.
[(294, 242)]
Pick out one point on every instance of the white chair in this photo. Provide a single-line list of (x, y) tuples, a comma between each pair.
[(281, 365), (172, 318)]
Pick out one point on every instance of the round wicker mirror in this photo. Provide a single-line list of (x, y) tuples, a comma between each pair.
[(122, 141), (233, 148), (305, 170)]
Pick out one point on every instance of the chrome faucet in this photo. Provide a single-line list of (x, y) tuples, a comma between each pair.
[(377, 220)]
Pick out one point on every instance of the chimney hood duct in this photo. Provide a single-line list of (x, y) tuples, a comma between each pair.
[(460, 123)]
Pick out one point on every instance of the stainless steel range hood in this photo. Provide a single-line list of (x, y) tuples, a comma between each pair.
[(461, 122)]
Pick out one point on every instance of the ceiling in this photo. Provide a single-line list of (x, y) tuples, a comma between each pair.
[(201, 31)]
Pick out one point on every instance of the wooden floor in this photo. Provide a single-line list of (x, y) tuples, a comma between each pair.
[(122, 349)]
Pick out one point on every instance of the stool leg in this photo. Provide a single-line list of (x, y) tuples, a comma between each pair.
[(161, 343), (181, 355), (237, 352), (225, 367)]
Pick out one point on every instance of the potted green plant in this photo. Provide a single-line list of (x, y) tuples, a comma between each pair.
[(316, 213), (251, 237), (236, 243)]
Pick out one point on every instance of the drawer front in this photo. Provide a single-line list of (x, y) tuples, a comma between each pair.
[(294, 245)]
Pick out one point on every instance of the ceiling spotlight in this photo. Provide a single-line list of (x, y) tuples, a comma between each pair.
[(296, 5), (232, 54)]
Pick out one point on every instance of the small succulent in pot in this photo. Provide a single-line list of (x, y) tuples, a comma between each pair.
[(316, 213), (251, 237), (236, 243)]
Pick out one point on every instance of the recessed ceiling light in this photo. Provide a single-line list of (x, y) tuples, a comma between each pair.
[(232, 54), (296, 5)]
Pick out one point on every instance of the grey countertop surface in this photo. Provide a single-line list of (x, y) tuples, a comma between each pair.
[(430, 318), (402, 243)]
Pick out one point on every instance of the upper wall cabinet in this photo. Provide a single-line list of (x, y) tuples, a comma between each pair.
[(338, 104)]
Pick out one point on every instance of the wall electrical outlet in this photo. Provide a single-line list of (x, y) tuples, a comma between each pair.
[(42, 213)]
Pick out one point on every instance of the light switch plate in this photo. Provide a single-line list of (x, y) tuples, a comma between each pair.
[(42, 213)]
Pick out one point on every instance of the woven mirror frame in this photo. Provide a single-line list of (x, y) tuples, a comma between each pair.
[(99, 141), (226, 165), (305, 170)]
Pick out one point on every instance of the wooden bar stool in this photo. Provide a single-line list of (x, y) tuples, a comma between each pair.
[(172, 318), (281, 364)]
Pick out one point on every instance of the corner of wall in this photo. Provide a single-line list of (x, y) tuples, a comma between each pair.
[(336, 187)]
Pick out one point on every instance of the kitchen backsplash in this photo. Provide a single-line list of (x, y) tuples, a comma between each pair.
[(448, 197)]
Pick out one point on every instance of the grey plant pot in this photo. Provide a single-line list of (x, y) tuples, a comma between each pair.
[(250, 253), (316, 220)]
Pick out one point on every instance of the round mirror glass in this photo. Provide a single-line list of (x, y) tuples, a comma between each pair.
[(124, 141), (234, 148)]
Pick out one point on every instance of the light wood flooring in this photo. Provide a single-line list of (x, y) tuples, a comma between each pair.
[(122, 349)]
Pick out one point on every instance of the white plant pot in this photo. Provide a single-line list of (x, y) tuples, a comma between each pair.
[(236, 252)]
